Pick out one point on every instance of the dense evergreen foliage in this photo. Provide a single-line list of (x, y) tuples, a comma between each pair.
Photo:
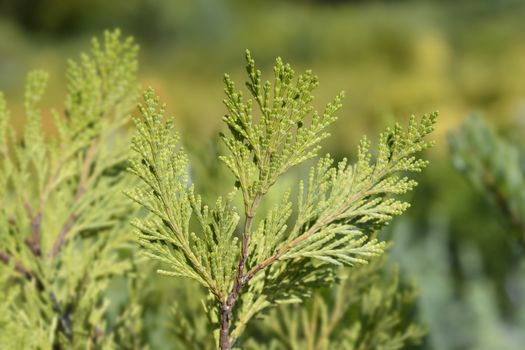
[(337, 210), (66, 245), (63, 219)]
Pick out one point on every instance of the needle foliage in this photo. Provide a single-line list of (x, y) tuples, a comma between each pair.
[(368, 309), (247, 259), (63, 220)]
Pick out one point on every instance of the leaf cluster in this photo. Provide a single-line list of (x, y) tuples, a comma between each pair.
[(62, 216), (297, 243)]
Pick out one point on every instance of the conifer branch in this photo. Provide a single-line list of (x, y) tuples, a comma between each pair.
[(492, 164), (338, 210), (68, 181), (81, 189)]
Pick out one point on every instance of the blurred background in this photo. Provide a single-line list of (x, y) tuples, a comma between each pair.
[(393, 58)]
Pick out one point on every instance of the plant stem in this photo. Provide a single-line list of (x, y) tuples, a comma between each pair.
[(224, 336), (225, 343), (6, 259), (81, 189), (34, 242)]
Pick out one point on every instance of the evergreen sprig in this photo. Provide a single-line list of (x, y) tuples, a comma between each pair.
[(62, 219), (337, 210)]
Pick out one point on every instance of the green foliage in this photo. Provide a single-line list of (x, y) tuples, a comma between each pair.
[(460, 315), (367, 310), (190, 326), (336, 213), (469, 267), (62, 217), (495, 166), (262, 151), (65, 247)]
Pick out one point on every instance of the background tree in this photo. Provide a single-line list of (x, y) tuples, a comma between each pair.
[(63, 221)]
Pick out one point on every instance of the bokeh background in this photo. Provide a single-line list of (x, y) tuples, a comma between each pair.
[(393, 58)]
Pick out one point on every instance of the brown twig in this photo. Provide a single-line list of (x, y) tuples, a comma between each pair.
[(6, 259), (34, 242), (81, 189), (226, 307)]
